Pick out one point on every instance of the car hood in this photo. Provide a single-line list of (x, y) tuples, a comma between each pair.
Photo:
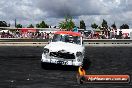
[(67, 47)]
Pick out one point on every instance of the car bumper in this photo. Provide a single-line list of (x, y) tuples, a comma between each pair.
[(49, 60), (54, 66)]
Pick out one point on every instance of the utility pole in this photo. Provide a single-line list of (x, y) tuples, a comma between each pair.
[(15, 23)]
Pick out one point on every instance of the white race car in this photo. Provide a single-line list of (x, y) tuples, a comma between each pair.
[(65, 48)]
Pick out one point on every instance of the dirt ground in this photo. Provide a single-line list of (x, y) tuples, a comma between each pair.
[(20, 68)]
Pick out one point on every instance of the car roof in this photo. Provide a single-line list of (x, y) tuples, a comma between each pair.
[(68, 33)]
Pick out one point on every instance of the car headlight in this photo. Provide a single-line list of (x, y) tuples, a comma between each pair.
[(46, 50), (78, 54)]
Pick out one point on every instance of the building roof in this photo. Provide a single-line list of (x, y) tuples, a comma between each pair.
[(68, 33)]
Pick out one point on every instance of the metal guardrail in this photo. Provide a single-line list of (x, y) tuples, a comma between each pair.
[(22, 40), (45, 41), (108, 41)]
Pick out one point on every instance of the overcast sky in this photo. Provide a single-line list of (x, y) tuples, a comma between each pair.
[(53, 11)]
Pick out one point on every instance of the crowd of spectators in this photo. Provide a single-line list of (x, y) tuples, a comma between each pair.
[(112, 34), (43, 35), (28, 35)]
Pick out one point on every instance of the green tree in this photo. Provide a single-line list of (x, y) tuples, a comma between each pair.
[(62, 25), (18, 26), (30, 26), (82, 25), (124, 26), (113, 26), (94, 25), (42, 25), (67, 24), (3, 24), (37, 26), (104, 24)]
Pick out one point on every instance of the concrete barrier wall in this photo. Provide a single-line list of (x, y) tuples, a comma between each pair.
[(42, 42)]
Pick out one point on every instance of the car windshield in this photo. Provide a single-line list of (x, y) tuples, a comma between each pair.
[(66, 38)]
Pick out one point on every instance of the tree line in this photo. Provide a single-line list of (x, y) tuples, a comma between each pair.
[(39, 25), (69, 24), (4, 24), (104, 25)]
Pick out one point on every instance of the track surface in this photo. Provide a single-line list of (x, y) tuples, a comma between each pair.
[(20, 68)]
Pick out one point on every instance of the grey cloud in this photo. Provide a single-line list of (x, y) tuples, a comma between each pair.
[(60, 8), (24, 11), (119, 19), (52, 11)]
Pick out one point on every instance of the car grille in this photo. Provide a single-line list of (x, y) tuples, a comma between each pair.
[(62, 55)]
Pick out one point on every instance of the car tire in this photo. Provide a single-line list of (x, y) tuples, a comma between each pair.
[(86, 63), (44, 65)]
